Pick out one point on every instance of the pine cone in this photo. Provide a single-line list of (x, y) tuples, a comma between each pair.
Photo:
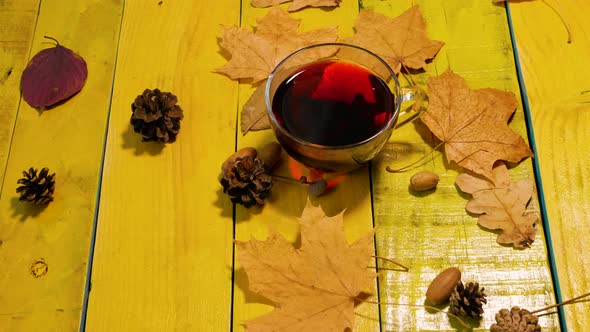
[(467, 301), (516, 320), (156, 116), (245, 180), (36, 188)]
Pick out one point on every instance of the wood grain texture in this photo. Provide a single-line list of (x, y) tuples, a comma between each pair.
[(432, 231), (287, 199), (18, 24), (556, 77), (163, 255), (69, 140)]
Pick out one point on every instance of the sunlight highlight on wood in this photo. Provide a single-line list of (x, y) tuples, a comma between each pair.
[(432, 230)]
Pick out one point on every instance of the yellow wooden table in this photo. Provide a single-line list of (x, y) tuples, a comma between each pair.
[(140, 236)]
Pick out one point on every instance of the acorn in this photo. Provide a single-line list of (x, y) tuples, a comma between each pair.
[(270, 154), (243, 152), (423, 181), (442, 286)]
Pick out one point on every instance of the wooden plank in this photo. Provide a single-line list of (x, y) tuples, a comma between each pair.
[(69, 140), (288, 200), (431, 232), (163, 251), (556, 77), (18, 25)]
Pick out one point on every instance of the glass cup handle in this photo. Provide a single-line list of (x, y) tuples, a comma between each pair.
[(413, 103)]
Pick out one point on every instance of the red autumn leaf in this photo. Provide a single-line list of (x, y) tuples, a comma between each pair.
[(53, 75)]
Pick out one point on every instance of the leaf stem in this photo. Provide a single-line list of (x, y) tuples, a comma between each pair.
[(409, 167), (416, 306), (570, 301), (565, 24), (51, 38), (407, 74), (406, 269), (303, 179)]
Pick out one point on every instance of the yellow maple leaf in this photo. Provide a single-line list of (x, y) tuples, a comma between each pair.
[(473, 124), (255, 54), (501, 205), (314, 287), (398, 41)]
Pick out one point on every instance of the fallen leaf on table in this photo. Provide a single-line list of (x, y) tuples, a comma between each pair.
[(501, 204), (473, 124), (313, 287), (53, 75), (297, 4), (400, 41), (254, 116), (267, 3), (255, 54)]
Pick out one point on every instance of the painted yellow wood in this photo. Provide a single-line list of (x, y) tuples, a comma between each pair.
[(288, 200), (163, 255), (556, 77), (18, 24), (432, 231), (44, 251)]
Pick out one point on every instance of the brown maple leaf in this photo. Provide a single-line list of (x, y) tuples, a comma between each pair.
[(297, 4), (255, 54), (254, 115), (473, 124), (501, 204), (400, 41), (314, 287)]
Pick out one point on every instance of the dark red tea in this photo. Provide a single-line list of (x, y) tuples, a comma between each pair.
[(333, 103)]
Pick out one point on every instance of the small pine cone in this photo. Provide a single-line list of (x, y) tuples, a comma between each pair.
[(515, 320), (246, 181), (36, 188), (467, 301), (156, 116)]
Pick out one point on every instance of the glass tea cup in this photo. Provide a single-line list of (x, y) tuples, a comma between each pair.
[(335, 114)]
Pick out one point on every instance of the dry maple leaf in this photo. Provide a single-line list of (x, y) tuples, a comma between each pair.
[(297, 4), (254, 115), (473, 124), (400, 41), (255, 54), (501, 204), (314, 287)]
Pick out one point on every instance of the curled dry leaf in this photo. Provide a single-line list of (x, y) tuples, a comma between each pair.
[(297, 4), (400, 41), (53, 75), (473, 124), (501, 205), (314, 286)]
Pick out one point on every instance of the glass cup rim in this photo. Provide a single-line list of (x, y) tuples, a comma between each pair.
[(284, 131)]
